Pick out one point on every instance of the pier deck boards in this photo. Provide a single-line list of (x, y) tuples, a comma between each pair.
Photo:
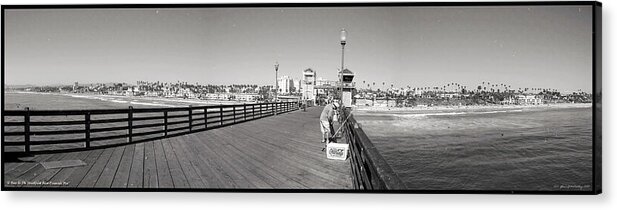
[(278, 152)]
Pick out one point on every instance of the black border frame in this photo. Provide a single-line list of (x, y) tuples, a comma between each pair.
[(596, 187)]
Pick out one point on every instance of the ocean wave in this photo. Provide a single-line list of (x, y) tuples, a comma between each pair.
[(118, 101), (152, 104), (424, 115)]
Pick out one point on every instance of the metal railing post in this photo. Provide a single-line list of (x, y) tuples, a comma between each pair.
[(27, 130), (234, 113), (221, 115), (206, 117), (87, 129), (165, 121), (190, 118), (244, 110), (130, 130)]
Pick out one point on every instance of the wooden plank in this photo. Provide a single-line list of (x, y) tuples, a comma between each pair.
[(246, 169), (203, 167), (265, 169), (37, 170), (109, 172), (162, 168), (95, 172), (46, 175), (121, 180), (293, 166), (193, 178), (304, 153), (63, 174), (177, 174), (150, 177), (137, 175), (25, 167), (75, 178), (220, 161), (286, 145), (212, 164)]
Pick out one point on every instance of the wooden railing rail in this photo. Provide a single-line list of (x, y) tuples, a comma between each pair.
[(369, 170), (102, 128)]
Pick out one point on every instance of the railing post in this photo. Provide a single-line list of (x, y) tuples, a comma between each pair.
[(260, 115), (206, 117), (275, 108), (190, 118), (130, 124), (221, 115), (87, 129), (165, 121), (27, 130), (234, 113), (244, 112)]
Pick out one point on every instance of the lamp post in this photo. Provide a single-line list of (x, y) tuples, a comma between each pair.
[(276, 80), (343, 42), (276, 88)]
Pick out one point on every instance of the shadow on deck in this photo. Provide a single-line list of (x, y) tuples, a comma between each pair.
[(279, 152)]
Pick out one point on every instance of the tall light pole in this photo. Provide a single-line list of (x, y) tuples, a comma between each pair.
[(276, 79), (343, 42)]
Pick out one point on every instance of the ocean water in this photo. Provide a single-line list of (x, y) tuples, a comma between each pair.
[(37, 101), (547, 149)]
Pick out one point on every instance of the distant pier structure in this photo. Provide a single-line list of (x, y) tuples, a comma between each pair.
[(309, 79)]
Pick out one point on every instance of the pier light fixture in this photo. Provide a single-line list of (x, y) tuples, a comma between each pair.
[(343, 36), (343, 42)]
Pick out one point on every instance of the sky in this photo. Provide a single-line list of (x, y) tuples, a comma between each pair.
[(537, 46)]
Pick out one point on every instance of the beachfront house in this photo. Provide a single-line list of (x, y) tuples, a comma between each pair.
[(247, 97), (522, 99)]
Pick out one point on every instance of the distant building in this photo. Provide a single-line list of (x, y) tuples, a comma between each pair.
[(218, 96), (322, 85), (527, 99), (308, 85), (286, 85), (247, 97)]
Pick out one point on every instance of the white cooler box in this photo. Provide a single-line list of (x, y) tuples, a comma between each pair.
[(337, 151)]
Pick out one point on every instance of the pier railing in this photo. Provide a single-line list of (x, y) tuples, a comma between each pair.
[(369, 170), (52, 131)]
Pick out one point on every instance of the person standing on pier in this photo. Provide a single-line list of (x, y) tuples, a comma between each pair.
[(325, 120)]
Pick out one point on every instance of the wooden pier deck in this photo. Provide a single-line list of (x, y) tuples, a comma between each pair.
[(278, 152)]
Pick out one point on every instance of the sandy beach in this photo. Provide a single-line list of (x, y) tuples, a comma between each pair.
[(141, 100)]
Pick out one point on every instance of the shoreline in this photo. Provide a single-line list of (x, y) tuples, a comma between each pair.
[(368, 110), (139, 100)]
